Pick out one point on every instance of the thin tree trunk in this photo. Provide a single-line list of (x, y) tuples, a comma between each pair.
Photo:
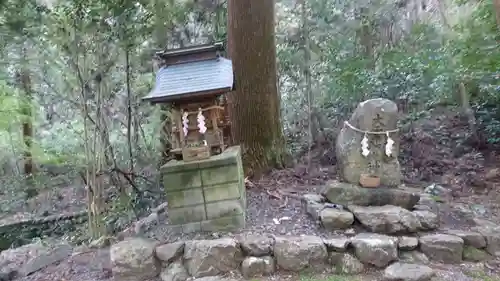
[(255, 104), (307, 78), (129, 115), (24, 77)]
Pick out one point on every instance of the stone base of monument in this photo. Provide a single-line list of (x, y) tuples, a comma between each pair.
[(380, 210), (206, 195)]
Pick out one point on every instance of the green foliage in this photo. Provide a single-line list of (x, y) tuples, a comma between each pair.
[(420, 68)]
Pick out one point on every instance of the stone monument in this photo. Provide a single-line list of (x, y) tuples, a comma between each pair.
[(368, 144)]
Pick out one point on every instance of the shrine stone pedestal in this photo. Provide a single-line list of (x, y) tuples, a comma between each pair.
[(206, 195)]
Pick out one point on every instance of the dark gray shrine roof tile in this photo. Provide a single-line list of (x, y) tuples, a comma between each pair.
[(179, 80)]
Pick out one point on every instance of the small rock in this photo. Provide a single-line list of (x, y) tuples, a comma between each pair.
[(8, 275), (169, 252), (333, 219), (386, 219), (375, 249), (492, 174), (427, 203), (337, 244), (442, 247), (475, 255), (313, 209), (257, 245), (350, 232), (174, 272), (296, 253), (257, 266), (406, 243), (212, 257), (313, 197), (146, 223), (408, 272), (428, 220), (474, 239), (413, 257), (436, 190), (349, 265), (160, 209), (133, 259), (102, 242)]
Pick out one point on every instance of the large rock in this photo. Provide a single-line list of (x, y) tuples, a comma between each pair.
[(491, 233), (442, 247), (298, 253), (174, 272), (377, 115), (345, 263), (169, 252), (375, 249), (339, 244), (429, 220), (408, 272), (471, 238), (407, 243), (475, 254), (212, 257), (386, 219), (333, 219), (413, 257), (133, 259), (257, 245), (350, 194)]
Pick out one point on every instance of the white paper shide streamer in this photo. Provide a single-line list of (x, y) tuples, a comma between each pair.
[(185, 123), (201, 124), (364, 146), (389, 145)]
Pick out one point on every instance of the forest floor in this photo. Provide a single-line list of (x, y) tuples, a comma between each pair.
[(432, 151)]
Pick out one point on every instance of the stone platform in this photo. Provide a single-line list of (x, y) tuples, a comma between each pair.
[(206, 195)]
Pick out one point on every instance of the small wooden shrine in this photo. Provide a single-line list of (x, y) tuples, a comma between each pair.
[(193, 81)]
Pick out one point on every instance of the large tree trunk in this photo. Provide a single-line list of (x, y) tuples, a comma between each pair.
[(255, 104)]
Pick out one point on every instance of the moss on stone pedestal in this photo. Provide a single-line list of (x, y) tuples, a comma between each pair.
[(207, 194)]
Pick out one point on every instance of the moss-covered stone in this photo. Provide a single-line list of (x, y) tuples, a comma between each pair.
[(181, 180), (184, 198), (185, 215), (211, 189), (225, 191), (474, 254)]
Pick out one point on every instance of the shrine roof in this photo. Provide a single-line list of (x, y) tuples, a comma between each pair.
[(192, 79)]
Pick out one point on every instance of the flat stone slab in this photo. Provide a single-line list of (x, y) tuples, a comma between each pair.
[(386, 219), (349, 194), (408, 272), (442, 247)]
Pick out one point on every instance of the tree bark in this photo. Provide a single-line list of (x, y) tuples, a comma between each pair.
[(496, 4), (255, 104), (25, 81)]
